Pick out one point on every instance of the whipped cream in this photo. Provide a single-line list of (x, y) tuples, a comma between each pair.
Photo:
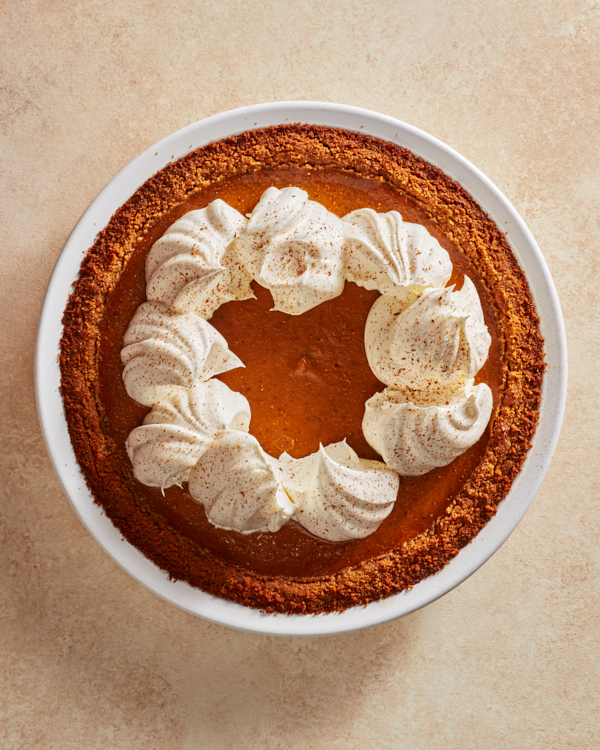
[(193, 267), (200, 436), (337, 495), (181, 427), (239, 486), (416, 439), (385, 252), (294, 247), (424, 341), (163, 348), (435, 342)]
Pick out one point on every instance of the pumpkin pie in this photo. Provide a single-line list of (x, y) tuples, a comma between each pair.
[(300, 381)]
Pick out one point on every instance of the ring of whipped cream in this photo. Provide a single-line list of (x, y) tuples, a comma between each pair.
[(424, 341)]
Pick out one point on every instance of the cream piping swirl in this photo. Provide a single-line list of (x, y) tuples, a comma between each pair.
[(162, 348), (193, 267), (294, 247)]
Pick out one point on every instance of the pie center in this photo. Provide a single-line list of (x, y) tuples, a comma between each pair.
[(306, 377)]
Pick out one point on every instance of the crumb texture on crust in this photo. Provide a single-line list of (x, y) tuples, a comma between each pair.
[(458, 217)]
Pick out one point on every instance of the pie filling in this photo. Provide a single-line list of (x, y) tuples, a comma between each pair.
[(306, 377)]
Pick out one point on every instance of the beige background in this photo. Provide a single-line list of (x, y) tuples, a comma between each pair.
[(88, 658)]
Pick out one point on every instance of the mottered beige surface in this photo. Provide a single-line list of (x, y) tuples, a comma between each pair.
[(89, 658)]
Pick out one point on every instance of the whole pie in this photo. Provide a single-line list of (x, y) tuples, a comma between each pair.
[(300, 368)]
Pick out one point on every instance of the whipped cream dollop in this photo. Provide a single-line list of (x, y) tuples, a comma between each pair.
[(339, 496), (416, 439), (181, 427), (162, 348), (294, 247), (239, 486), (193, 267), (437, 341), (385, 252)]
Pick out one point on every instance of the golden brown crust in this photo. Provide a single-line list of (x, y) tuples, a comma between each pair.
[(457, 216)]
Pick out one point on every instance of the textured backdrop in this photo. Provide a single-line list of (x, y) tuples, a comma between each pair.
[(90, 659)]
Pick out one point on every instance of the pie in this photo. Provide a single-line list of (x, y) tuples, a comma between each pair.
[(306, 377)]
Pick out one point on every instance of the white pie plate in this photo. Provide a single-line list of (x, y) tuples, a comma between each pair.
[(52, 417)]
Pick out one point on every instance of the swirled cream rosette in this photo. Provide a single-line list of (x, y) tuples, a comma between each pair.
[(424, 341)]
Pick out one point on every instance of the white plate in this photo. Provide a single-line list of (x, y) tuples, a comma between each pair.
[(50, 406)]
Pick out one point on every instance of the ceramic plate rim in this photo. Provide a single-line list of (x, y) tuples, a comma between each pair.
[(50, 406)]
